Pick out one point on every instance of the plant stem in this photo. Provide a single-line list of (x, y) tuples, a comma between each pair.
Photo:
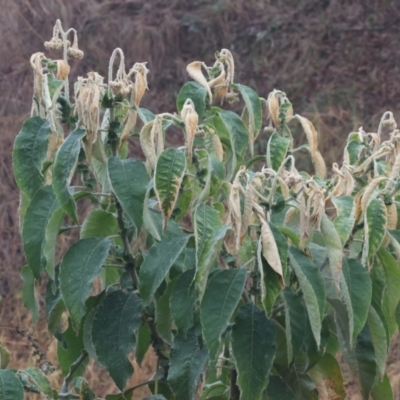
[(74, 367)]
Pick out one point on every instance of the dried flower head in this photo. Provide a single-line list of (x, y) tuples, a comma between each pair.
[(74, 52)]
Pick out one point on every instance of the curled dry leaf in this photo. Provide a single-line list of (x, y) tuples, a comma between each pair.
[(270, 248), (247, 213), (273, 107), (62, 69), (147, 144), (190, 118), (369, 190), (194, 71), (391, 216)]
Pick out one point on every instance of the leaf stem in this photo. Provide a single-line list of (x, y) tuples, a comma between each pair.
[(74, 367)]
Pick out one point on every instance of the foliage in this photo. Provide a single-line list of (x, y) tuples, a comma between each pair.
[(245, 279)]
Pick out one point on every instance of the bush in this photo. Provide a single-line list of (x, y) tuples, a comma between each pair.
[(246, 283)]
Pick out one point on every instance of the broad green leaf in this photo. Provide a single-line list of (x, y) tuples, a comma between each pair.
[(69, 349), (143, 338), (155, 397), (375, 228), (114, 323), (99, 223), (5, 357), (295, 323), (313, 288), (379, 338), (278, 390), (223, 292), (29, 153), (359, 292), (10, 386), (158, 262), (344, 222), (392, 274), (366, 361), (170, 169), (271, 284), (254, 111), (277, 149), (163, 314), (37, 218), (328, 379), (129, 182), (187, 362), (233, 134), (63, 169), (382, 390), (209, 235), (80, 265), (29, 298), (195, 92), (290, 234), (162, 388), (182, 302), (253, 346), (40, 380), (334, 247), (353, 149)]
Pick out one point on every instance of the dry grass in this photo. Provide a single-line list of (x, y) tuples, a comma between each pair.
[(337, 60)]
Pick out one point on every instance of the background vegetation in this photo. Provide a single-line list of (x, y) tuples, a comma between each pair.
[(338, 62)]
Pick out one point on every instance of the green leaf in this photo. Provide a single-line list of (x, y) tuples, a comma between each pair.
[(366, 361), (295, 323), (195, 92), (187, 362), (182, 302), (382, 390), (40, 380), (10, 386), (63, 169), (379, 338), (85, 392), (29, 153), (392, 275), (170, 169), (334, 247), (129, 181), (359, 289), (5, 357), (99, 223), (209, 235), (328, 378), (233, 134), (155, 397), (270, 283), (253, 346), (37, 218), (214, 391), (163, 314), (223, 292), (277, 149), (69, 349), (114, 323), (253, 106), (278, 390), (87, 334), (375, 228), (354, 148), (143, 342), (29, 298), (345, 220), (313, 287), (80, 265), (158, 262)]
